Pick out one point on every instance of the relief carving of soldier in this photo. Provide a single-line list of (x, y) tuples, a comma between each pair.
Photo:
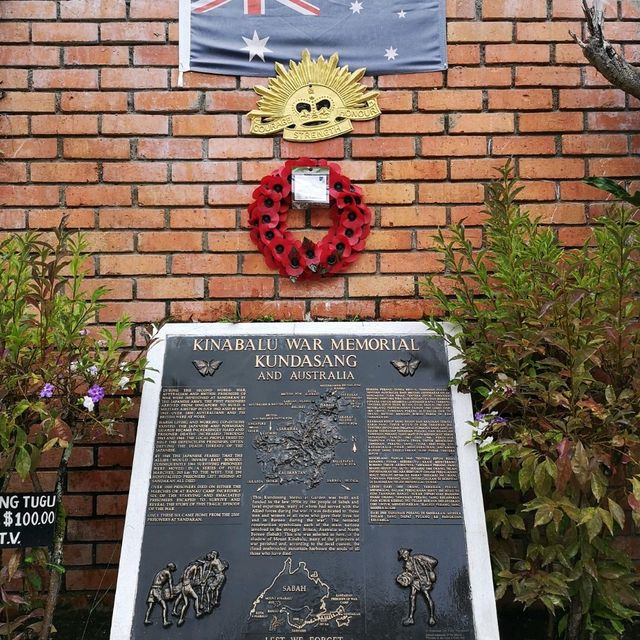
[(160, 592), (419, 574)]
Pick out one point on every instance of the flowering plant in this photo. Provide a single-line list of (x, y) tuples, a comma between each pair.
[(63, 379), (351, 222), (550, 341)]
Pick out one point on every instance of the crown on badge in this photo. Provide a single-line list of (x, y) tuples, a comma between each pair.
[(312, 100)]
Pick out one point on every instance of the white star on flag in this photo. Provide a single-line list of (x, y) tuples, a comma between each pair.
[(256, 46), (356, 7), (402, 13), (391, 53)]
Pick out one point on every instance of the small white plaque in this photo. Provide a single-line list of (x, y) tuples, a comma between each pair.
[(310, 185)]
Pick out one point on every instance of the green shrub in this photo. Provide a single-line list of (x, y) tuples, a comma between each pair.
[(550, 341), (62, 380)]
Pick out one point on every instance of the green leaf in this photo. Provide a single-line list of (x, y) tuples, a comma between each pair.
[(617, 512), (594, 525), (23, 463)]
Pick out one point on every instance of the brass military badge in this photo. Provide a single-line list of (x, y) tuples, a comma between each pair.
[(312, 100)]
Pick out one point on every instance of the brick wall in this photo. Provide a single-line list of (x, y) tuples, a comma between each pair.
[(93, 125)]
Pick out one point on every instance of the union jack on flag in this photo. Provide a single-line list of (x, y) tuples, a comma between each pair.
[(246, 37)]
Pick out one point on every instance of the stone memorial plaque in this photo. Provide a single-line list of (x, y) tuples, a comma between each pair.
[(304, 482)]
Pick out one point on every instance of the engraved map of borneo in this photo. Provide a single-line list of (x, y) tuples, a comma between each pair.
[(299, 451)]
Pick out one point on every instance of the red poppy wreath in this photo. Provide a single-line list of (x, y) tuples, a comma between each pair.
[(350, 218)]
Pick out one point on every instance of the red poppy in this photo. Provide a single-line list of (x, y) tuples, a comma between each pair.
[(294, 268)]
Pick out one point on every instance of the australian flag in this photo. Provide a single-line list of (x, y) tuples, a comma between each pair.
[(246, 37)]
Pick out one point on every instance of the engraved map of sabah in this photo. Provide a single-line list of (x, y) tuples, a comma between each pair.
[(299, 451), (299, 600)]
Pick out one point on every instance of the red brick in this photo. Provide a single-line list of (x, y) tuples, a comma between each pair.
[(14, 31), (388, 147), (343, 309), (613, 121), (324, 149), (12, 219), (29, 195), (480, 31), (138, 311), (226, 194), (194, 80), (448, 192), (414, 123), (326, 288), (551, 168), (426, 239), (560, 213), (78, 554), (64, 124), (569, 9), (454, 146), (141, 78), (377, 286), (410, 262), (102, 148), (132, 32), (204, 172), (230, 241), (16, 101), (473, 169), (64, 32), (417, 216), (50, 218), (574, 236), (132, 265), (390, 101), (461, 9), (170, 241), (97, 195), (14, 79), (581, 191), (594, 144), (92, 9), (479, 77), (169, 148), (240, 148), (520, 99), (537, 190), (64, 172), (28, 148), (132, 218), (202, 125), (408, 80), (13, 126), (13, 172), (109, 241), (113, 505), (405, 309), (227, 101), (242, 287), (384, 193), (288, 310), (463, 54), (206, 263), (569, 121), (202, 218), (135, 124), (591, 98), (153, 9), (523, 145), (34, 10), (135, 172), (164, 55), (116, 288), (65, 79), (569, 54), (169, 101), (208, 311), (96, 102), (168, 194), (95, 529), (546, 31), (29, 56), (614, 167), (170, 288), (481, 123), (414, 170), (450, 100), (514, 9), (554, 76)]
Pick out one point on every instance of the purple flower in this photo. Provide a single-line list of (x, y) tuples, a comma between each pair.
[(96, 393), (499, 420), (479, 416), (47, 390), (83, 332), (93, 370)]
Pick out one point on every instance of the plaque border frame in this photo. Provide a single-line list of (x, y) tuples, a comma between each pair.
[(485, 618)]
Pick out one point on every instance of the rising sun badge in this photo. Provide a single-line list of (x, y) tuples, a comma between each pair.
[(313, 100)]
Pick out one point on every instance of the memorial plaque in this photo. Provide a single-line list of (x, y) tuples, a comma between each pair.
[(304, 482)]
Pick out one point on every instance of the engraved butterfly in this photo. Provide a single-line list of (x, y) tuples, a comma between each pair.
[(406, 367), (207, 368)]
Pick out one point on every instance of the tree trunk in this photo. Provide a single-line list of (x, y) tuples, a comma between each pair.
[(57, 553), (575, 626), (601, 54)]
